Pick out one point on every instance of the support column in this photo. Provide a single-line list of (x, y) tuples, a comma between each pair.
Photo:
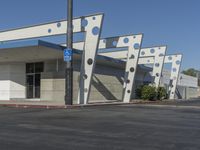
[(133, 43), (92, 26), (176, 61), (159, 55)]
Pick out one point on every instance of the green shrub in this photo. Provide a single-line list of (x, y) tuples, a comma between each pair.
[(161, 93), (148, 93), (138, 92)]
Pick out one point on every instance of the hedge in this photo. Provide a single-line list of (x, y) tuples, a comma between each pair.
[(148, 92)]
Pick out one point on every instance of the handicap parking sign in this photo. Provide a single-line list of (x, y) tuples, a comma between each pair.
[(67, 55)]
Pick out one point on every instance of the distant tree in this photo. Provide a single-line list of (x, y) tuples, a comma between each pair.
[(190, 72)]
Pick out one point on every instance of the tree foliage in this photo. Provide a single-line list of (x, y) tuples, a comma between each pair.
[(190, 72)]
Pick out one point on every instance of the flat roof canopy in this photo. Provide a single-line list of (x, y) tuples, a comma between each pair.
[(38, 50), (25, 51)]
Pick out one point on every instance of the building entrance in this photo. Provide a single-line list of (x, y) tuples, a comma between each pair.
[(33, 76)]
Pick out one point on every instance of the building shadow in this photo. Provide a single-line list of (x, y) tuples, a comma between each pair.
[(178, 94), (102, 89)]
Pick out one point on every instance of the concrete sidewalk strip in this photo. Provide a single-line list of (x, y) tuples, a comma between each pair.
[(46, 104), (164, 106), (58, 105)]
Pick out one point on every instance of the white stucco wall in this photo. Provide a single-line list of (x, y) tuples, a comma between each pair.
[(4, 82), (12, 81), (188, 81), (183, 80), (17, 81)]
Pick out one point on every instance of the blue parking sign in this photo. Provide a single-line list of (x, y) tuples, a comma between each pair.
[(67, 55)]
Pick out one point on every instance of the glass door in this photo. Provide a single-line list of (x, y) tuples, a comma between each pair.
[(29, 86), (37, 85), (33, 77)]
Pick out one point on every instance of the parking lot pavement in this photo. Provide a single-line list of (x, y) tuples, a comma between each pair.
[(100, 128), (194, 102), (189, 103)]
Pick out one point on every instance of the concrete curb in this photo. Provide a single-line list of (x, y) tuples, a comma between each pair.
[(140, 103), (54, 106), (167, 106)]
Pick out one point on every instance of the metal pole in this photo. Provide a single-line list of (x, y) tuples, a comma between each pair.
[(69, 65), (198, 77)]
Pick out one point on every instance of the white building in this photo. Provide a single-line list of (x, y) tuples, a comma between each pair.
[(34, 70)]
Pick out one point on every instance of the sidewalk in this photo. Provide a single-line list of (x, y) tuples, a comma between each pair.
[(29, 103), (52, 104), (61, 105)]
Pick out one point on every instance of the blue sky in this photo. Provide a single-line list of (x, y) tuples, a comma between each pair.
[(175, 23)]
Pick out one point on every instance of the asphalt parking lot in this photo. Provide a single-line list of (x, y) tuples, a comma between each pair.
[(101, 128), (192, 102)]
